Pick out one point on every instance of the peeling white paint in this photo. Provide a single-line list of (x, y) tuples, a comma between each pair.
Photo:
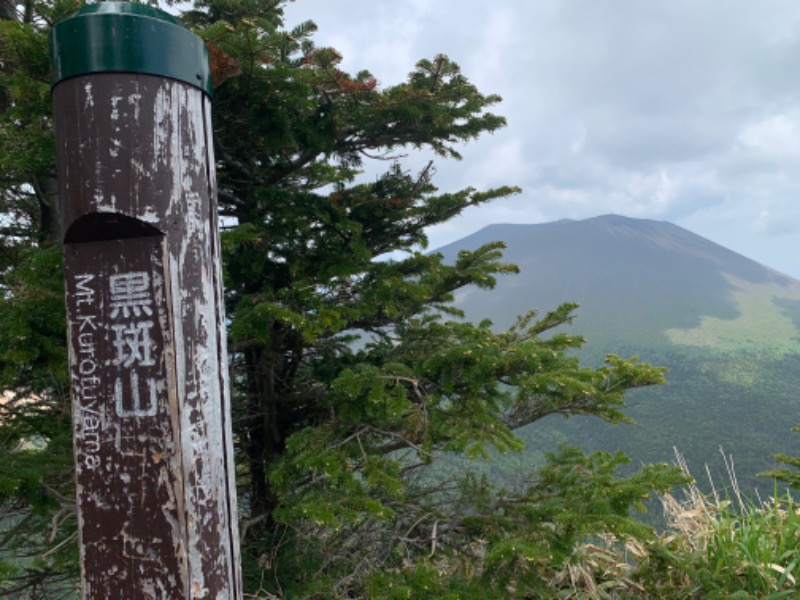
[(115, 100), (150, 216), (200, 517), (133, 100), (89, 98)]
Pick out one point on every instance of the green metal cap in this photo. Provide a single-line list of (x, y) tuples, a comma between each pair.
[(124, 37)]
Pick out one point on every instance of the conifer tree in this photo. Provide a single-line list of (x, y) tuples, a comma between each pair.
[(354, 377), (790, 472)]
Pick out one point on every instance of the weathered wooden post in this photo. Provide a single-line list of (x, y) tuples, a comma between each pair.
[(150, 396)]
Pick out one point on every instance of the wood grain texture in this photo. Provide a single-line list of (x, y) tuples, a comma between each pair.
[(153, 448)]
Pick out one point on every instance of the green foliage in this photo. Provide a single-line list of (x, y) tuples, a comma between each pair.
[(786, 475), (32, 324), (756, 328), (475, 540), (26, 137), (431, 388), (714, 550), (353, 374), (37, 535), (574, 497), (700, 409)]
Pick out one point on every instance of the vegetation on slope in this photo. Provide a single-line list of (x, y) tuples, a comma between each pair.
[(336, 441), (760, 327)]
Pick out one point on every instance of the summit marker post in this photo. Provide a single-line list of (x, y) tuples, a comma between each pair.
[(148, 366)]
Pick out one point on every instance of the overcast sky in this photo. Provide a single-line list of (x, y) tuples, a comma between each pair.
[(679, 110)]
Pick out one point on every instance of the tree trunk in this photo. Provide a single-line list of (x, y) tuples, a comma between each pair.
[(8, 10), (50, 225), (265, 443)]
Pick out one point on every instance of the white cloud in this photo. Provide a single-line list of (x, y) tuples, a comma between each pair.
[(579, 139), (672, 109), (776, 137), (504, 164)]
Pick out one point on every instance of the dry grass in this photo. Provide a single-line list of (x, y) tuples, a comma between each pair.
[(715, 547)]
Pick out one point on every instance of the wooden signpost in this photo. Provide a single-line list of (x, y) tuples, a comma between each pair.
[(148, 364)]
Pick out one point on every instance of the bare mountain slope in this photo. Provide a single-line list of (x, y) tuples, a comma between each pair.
[(636, 280), (726, 326)]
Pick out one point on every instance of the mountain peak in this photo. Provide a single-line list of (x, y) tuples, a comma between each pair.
[(608, 240), (726, 326), (618, 268)]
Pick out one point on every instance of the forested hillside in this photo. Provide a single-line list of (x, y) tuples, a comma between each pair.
[(338, 439), (726, 327), (335, 439)]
